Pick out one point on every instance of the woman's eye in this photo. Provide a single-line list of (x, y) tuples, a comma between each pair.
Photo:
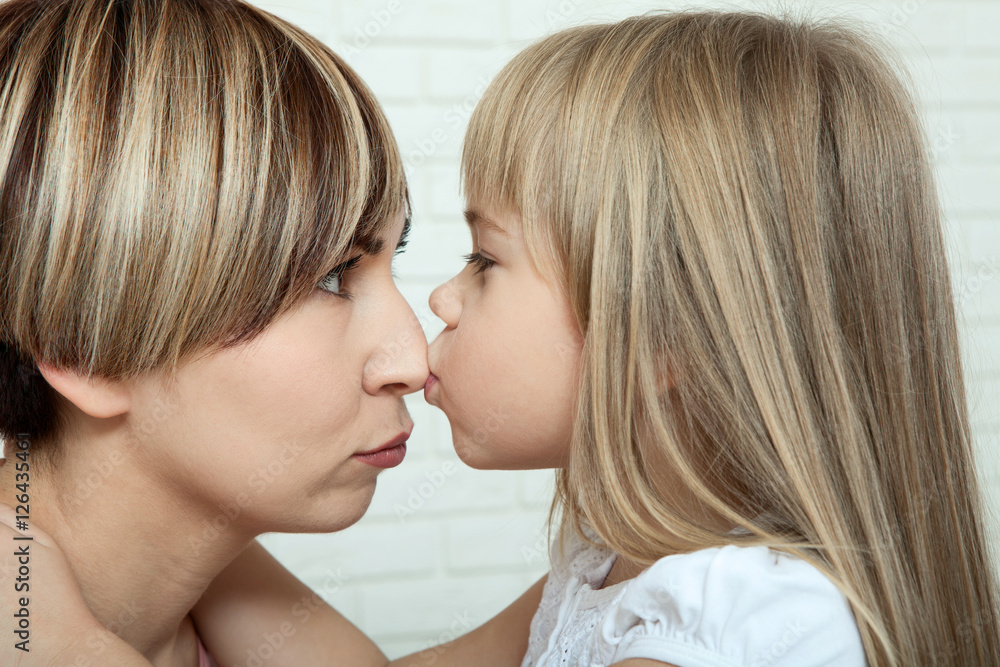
[(479, 261), (333, 282)]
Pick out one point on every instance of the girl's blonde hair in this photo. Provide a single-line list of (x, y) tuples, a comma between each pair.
[(175, 175), (742, 207)]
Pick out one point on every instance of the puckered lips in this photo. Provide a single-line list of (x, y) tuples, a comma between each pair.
[(388, 455)]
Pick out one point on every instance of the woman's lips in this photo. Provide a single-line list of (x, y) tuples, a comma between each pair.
[(384, 458), (388, 455)]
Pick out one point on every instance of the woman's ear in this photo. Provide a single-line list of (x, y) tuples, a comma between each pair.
[(96, 397)]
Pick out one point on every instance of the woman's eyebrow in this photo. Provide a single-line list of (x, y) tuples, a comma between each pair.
[(474, 217)]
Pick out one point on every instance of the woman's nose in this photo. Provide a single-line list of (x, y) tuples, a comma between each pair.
[(399, 364), (446, 302)]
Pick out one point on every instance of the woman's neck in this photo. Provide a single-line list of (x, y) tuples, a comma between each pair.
[(143, 554)]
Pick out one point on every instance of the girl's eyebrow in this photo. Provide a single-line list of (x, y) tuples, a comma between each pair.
[(474, 217)]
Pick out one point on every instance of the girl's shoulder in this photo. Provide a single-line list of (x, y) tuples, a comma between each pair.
[(574, 556), (733, 605), (574, 563)]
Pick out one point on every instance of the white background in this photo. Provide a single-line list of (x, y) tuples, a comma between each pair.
[(443, 547)]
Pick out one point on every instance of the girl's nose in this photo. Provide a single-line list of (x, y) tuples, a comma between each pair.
[(446, 302)]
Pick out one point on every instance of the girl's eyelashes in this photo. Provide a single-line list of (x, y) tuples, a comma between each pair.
[(479, 261), (333, 281)]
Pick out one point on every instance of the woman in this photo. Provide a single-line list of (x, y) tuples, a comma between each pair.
[(201, 337)]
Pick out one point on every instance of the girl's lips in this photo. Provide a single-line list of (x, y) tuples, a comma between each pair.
[(428, 385)]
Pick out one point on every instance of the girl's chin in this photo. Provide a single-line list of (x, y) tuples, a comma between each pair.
[(480, 457), (475, 455)]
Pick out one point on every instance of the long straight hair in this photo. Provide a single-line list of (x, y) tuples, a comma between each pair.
[(746, 221), (173, 176)]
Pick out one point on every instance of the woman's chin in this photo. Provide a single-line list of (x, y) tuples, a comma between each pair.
[(326, 518)]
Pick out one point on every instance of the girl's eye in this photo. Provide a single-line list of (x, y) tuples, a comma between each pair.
[(333, 282), (481, 263)]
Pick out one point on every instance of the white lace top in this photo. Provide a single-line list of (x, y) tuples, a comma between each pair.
[(724, 607)]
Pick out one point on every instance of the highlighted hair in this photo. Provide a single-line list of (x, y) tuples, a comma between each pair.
[(173, 176), (744, 204)]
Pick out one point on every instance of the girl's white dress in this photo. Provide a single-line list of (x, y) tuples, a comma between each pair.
[(723, 607)]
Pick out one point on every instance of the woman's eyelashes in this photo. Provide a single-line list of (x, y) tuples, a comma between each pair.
[(480, 261), (333, 282)]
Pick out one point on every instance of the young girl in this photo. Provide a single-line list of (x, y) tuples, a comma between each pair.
[(709, 285)]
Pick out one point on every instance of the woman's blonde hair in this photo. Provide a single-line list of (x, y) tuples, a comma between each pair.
[(742, 206), (175, 175)]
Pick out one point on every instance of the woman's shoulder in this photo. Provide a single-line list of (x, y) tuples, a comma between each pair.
[(734, 605)]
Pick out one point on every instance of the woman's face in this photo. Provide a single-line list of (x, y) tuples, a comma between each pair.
[(269, 432), (505, 368)]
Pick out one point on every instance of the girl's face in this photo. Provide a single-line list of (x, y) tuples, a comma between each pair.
[(267, 434), (505, 368)]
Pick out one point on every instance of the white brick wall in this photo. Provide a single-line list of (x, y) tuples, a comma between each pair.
[(470, 545), (444, 547)]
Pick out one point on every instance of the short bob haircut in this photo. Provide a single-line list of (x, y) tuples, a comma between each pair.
[(175, 175)]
